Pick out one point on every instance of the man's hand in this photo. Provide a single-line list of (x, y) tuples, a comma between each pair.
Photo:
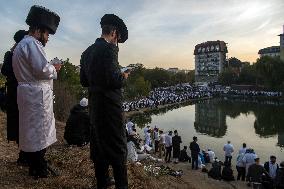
[(57, 67)]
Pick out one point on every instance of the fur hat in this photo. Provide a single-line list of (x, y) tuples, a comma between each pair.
[(43, 17), (19, 35), (113, 20)]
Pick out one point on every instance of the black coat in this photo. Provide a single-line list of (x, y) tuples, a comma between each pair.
[(194, 148), (101, 74), (11, 100), (227, 174), (279, 179), (77, 130), (176, 140)]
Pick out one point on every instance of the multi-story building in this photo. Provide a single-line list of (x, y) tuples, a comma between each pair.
[(210, 58), (270, 51), (274, 51)]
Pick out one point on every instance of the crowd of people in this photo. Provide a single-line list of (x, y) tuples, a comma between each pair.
[(167, 95), (160, 146), (184, 92)]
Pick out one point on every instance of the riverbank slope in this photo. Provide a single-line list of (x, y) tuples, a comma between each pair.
[(77, 171)]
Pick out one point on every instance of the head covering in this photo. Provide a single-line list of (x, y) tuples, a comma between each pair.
[(84, 102), (113, 20), (42, 17), (19, 35)]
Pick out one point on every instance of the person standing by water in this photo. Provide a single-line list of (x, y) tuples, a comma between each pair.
[(162, 143), (176, 146), (169, 146), (100, 72), (194, 148), (228, 149), (241, 167), (35, 89), (243, 149), (12, 106)]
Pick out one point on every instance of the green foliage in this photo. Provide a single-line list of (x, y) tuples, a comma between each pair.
[(67, 89), (271, 70), (158, 77), (267, 72), (136, 86), (227, 77)]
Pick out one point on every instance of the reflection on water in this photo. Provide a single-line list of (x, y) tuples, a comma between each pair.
[(210, 119), (215, 121)]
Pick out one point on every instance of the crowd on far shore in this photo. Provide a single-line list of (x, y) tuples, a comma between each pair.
[(185, 92), (158, 146)]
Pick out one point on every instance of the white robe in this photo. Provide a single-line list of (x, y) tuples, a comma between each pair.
[(34, 95)]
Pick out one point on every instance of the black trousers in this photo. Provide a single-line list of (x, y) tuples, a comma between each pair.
[(119, 173), (168, 154), (228, 159), (37, 163), (194, 162), (241, 173), (156, 145)]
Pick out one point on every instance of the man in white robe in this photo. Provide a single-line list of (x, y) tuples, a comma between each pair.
[(35, 89)]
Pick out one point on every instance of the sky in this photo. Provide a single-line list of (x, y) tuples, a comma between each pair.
[(162, 33)]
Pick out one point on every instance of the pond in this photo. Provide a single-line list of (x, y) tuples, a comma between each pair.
[(215, 121)]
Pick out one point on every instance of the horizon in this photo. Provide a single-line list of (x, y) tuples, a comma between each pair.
[(168, 34)]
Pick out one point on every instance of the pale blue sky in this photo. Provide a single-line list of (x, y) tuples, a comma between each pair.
[(162, 33)]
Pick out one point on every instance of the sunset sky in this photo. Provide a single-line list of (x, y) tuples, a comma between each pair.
[(162, 33)]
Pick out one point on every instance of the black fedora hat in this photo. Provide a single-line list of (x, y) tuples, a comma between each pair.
[(113, 20)]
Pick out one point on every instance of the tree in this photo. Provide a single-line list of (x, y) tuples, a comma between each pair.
[(271, 70), (67, 90), (227, 77)]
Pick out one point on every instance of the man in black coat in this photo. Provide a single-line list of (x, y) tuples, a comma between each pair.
[(176, 140), (101, 74), (183, 157), (77, 130), (11, 103), (194, 148)]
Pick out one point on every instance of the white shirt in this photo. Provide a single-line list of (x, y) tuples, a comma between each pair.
[(242, 150), (129, 127), (168, 141), (132, 153), (240, 162), (146, 130), (272, 169), (156, 136), (148, 139), (229, 149), (163, 139), (211, 155)]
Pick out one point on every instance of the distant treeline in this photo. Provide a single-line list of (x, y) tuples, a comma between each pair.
[(267, 72)]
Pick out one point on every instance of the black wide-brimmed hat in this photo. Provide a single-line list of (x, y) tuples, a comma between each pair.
[(42, 17), (113, 20), (19, 35)]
